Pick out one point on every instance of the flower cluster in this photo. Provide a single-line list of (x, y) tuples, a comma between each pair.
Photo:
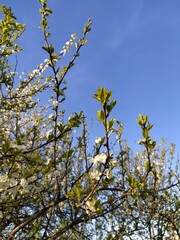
[(95, 174), (6, 182), (90, 207), (24, 184), (68, 45), (40, 69), (100, 158)]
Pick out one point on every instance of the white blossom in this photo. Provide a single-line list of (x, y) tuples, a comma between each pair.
[(14, 192), (32, 179), (68, 45), (19, 147), (90, 206), (34, 72), (140, 168), (142, 141), (73, 36), (99, 158), (12, 182), (46, 61), (109, 174), (48, 133), (94, 174), (23, 183), (63, 52), (48, 161), (3, 182), (98, 140), (55, 103), (113, 162), (158, 163), (51, 116)]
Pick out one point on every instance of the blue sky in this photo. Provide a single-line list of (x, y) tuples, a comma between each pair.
[(133, 50)]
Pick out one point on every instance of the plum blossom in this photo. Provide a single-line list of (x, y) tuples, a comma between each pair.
[(158, 163), (51, 116), (94, 174), (12, 182), (142, 141), (48, 133), (24, 185), (55, 103), (99, 158), (90, 206), (98, 140), (68, 45), (108, 174), (19, 147), (3, 182), (46, 60), (48, 161), (113, 162), (14, 192), (140, 169)]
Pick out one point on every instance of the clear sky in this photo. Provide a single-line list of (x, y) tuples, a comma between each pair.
[(133, 50)]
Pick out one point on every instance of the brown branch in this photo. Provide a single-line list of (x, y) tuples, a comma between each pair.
[(64, 229), (33, 217)]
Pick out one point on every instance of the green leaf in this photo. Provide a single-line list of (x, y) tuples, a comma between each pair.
[(111, 122), (48, 34), (108, 181), (100, 115), (76, 45), (45, 48), (75, 120), (111, 106), (78, 192), (103, 96), (146, 165), (51, 48), (97, 205), (83, 41), (145, 133), (42, 1), (108, 96), (48, 10)]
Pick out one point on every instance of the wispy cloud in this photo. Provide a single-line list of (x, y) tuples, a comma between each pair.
[(122, 33)]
